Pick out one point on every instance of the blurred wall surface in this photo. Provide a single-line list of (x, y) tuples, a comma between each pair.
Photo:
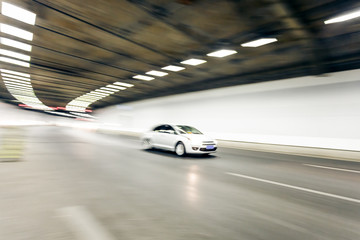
[(315, 111), (13, 116)]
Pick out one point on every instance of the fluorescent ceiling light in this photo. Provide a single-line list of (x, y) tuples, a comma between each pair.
[(21, 91), (17, 84), (343, 18), (124, 84), (16, 73), (116, 87), (79, 103), (193, 61), (90, 99), (18, 13), (19, 87), (259, 42), (83, 101), (157, 73), (29, 99), (17, 32), (12, 81), (15, 91), (173, 68), (16, 44), (142, 77), (15, 55), (74, 108), (16, 62), (15, 77), (110, 89), (221, 53), (98, 93), (89, 96), (18, 81), (103, 91), (19, 95)]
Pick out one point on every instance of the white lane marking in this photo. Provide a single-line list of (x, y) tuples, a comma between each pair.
[(332, 168), (297, 188), (83, 224)]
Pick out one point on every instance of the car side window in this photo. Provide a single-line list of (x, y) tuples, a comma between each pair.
[(164, 128), (169, 129), (159, 128)]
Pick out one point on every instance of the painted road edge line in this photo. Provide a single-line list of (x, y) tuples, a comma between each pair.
[(297, 188), (332, 168), (83, 224)]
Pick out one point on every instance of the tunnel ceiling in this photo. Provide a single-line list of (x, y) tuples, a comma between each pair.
[(79, 46)]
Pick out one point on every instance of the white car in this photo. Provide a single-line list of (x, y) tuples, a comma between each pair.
[(180, 139)]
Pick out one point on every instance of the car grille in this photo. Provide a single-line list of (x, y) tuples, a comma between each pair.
[(208, 150)]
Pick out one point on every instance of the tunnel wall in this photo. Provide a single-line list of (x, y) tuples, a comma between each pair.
[(13, 116), (314, 111)]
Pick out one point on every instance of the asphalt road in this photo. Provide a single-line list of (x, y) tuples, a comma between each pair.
[(71, 184)]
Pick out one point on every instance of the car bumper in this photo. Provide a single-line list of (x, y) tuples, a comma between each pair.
[(202, 149)]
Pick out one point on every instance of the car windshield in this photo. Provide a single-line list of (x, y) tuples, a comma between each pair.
[(187, 129)]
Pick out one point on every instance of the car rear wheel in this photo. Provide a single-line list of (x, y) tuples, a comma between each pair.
[(180, 149)]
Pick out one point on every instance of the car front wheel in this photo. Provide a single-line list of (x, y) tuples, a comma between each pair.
[(180, 149)]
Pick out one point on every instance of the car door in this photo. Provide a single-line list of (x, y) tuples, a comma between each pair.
[(168, 137), (156, 136)]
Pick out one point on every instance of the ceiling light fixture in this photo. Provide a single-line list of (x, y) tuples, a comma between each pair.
[(15, 55), (98, 93), (116, 87), (124, 84), (18, 13), (15, 80), (173, 68), (13, 61), (157, 73), (110, 89), (18, 81), (15, 87), (259, 42), (15, 77), (343, 18), (193, 62), (142, 77), (92, 95), (7, 83), (17, 32), (15, 73), (16, 44), (222, 53), (103, 91), (90, 98)]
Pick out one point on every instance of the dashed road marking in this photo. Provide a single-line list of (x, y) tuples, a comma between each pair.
[(297, 188), (332, 168)]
